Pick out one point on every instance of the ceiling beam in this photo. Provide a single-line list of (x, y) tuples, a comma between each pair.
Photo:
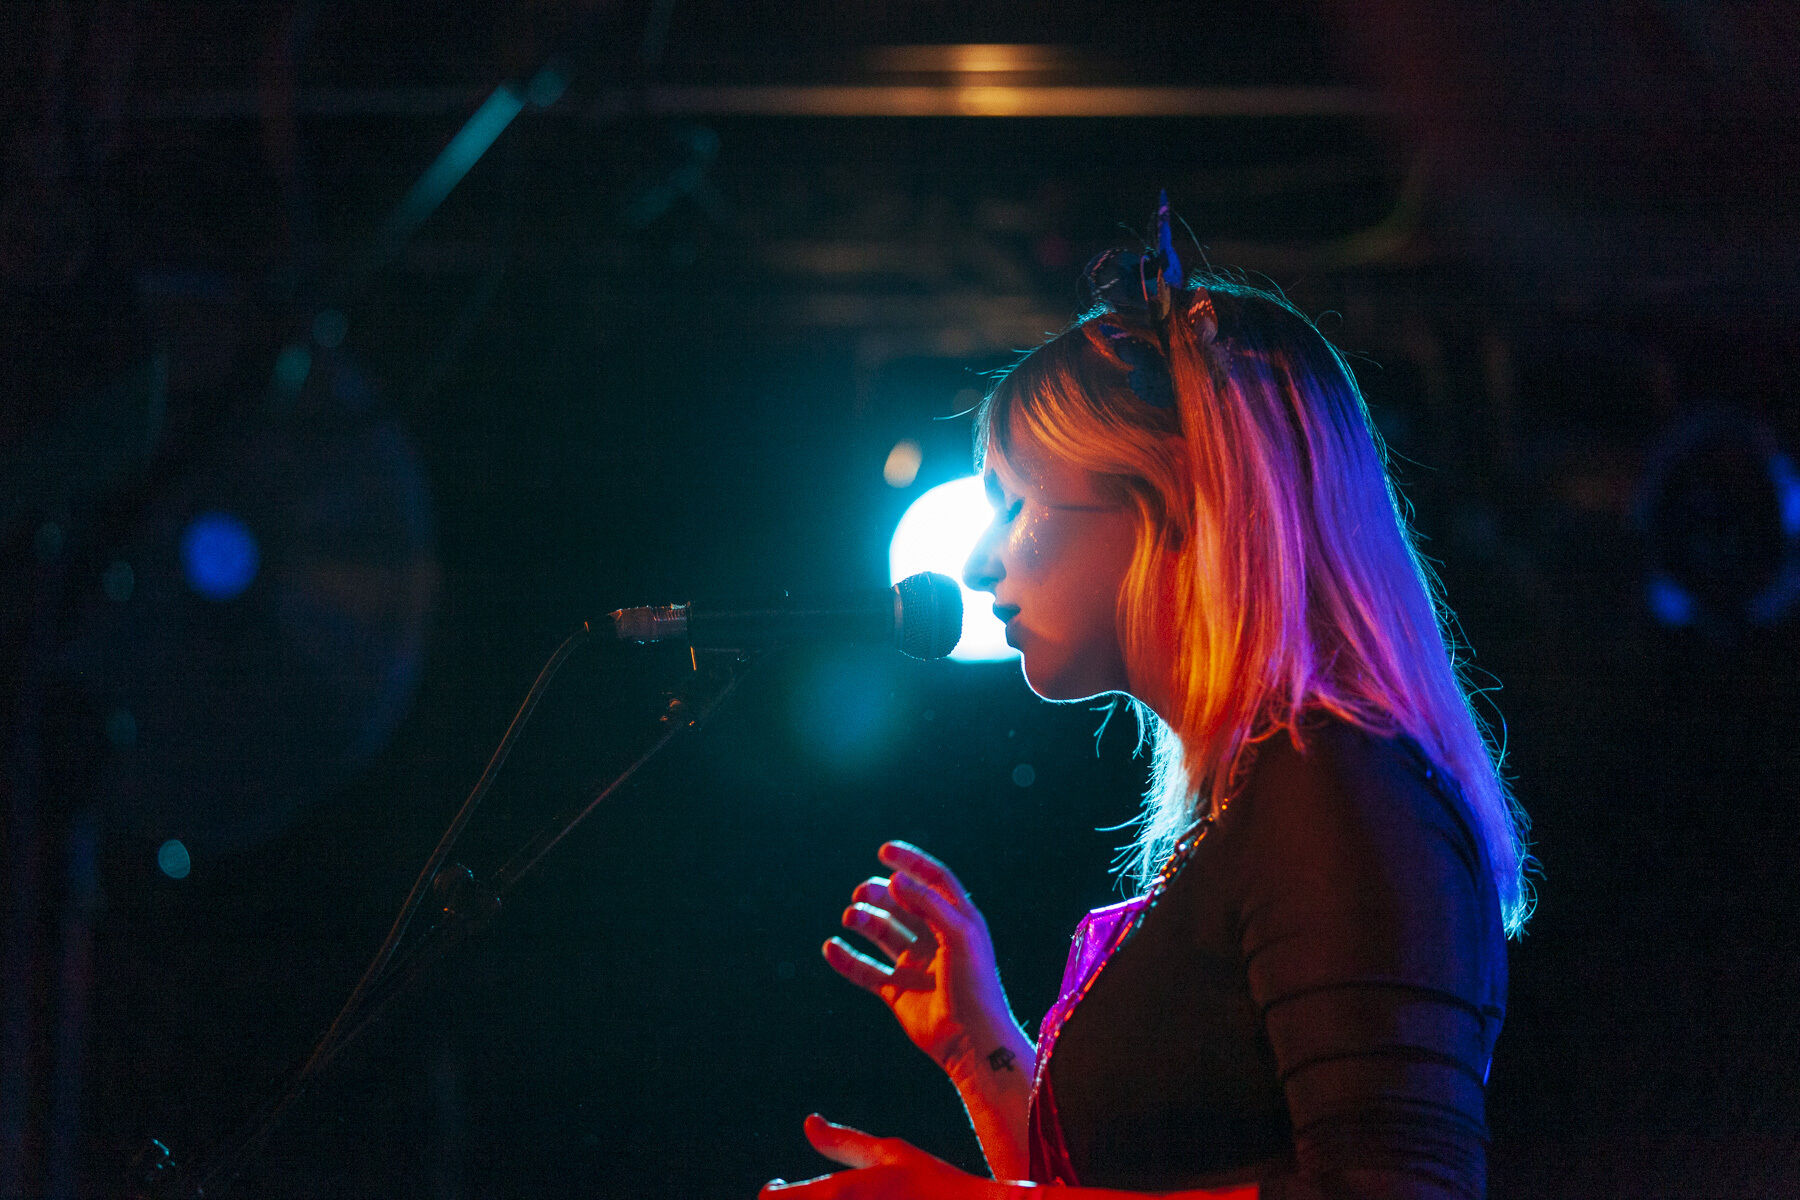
[(878, 100)]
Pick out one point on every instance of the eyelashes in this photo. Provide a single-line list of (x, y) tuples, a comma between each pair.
[(1004, 513)]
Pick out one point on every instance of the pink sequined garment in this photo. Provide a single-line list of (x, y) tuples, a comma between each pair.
[(1100, 933)]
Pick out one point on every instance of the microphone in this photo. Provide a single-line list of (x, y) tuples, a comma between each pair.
[(921, 616)]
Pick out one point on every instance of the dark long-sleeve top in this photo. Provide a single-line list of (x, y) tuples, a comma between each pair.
[(1313, 1001)]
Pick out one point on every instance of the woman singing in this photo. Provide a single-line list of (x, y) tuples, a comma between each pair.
[(1191, 512)]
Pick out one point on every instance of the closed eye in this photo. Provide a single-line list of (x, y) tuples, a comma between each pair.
[(1003, 512)]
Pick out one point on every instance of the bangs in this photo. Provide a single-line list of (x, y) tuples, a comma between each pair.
[(1073, 402)]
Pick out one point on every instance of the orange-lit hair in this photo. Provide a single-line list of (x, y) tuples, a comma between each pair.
[(1272, 553)]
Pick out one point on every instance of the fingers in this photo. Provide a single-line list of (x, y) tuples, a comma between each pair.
[(878, 893), (824, 1187), (874, 976), (904, 856), (929, 903), (874, 891), (879, 1167), (843, 1145), (882, 927), (850, 1147), (903, 916)]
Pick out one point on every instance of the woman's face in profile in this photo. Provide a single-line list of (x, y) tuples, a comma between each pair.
[(1055, 558)]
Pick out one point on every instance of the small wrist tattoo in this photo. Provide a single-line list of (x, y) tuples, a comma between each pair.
[(1002, 1059)]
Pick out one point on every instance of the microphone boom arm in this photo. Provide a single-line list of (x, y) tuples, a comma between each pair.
[(466, 908)]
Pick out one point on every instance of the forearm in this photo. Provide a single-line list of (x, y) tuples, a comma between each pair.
[(993, 1077)]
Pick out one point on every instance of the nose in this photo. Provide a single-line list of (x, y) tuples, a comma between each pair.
[(983, 572)]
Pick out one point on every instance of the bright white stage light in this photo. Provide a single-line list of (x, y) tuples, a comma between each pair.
[(936, 534)]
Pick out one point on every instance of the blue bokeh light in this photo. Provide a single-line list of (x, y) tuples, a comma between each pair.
[(937, 533), (1787, 492), (844, 714), (292, 366), (173, 859), (219, 556), (1670, 603)]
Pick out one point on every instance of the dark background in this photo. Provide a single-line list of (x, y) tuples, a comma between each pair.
[(657, 344)]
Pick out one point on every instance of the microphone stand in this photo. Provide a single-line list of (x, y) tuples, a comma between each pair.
[(465, 907)]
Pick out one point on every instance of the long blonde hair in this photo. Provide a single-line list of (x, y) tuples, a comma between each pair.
[(1272, 551)]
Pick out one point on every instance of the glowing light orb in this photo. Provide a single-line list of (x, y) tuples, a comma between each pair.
[(219, 555), (902, 466), (172, 857), (937, 533)]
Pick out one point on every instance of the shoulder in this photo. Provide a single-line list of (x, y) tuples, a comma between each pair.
[(1350, 858), (1334, 784)]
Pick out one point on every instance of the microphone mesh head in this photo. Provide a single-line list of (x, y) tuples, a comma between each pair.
[(928, 621)]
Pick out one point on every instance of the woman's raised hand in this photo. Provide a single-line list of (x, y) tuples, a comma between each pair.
[(939, 979)]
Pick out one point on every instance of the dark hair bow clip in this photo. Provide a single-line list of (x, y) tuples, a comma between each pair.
[(1115, 279), (1127, 282), (1148, 374), (1147, 284)]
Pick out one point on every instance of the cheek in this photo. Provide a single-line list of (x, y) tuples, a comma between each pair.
[(1076, 566), (1109, 567), (1039, 545)]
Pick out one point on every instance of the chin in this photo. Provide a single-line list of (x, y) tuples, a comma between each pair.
[(1067, 687)]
